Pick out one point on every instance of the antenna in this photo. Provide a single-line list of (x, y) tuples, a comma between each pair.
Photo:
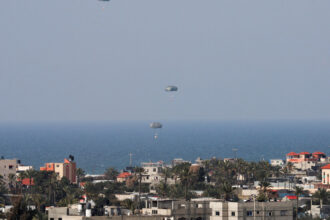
[(130, 159)]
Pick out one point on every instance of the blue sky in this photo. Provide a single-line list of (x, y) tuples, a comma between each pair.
[(86, 60)]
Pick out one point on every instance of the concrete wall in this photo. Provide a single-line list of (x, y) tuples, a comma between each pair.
[(8, 167)]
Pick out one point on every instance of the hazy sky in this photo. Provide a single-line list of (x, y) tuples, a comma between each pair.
[(234, 59)]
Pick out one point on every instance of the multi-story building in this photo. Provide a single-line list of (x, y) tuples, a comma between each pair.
[(305, 156), (326, 175), (305, 160), (66, 169), (251, 210), (152, 172), (197, 209), (7, 167)]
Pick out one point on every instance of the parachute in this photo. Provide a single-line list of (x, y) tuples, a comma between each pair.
[(171, 89), (156, 125)]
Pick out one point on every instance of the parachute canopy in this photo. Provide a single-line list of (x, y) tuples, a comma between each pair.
[(171, 89), (156, 125)]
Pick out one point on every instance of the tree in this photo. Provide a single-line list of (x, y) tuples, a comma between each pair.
[(111, 173), (20, 209), (139, 171), (227, 190), (298, 191), (80, 174), (167, 173), (264, 186), (322, 195), (3, 190), (12, 182)]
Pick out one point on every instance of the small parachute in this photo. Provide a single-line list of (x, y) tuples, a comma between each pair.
[(156, 125), (171, 89)]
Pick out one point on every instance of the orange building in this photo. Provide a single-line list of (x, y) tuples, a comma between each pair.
[(304, 156), (66, 169)]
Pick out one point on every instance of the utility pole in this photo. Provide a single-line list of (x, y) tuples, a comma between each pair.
[(254, 207), (235, 153)]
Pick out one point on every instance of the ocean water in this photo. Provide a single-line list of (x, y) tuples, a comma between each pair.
[(97, 146)]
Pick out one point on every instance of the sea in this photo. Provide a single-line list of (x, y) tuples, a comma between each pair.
[(99, 145)]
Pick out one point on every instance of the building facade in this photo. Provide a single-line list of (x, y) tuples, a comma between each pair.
[(251, 210), (66, 169), (7, 167)]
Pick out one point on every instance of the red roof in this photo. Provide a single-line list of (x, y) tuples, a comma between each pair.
[(302, 153), (317, 153), (292, 154), (26, 182), (124, 175), (291, 197), (326, 167)]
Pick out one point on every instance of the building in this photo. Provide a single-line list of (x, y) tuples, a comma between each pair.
[(326, 174), (152, 172), (305, 156), (123, 177), (7, 167), (178, 161), (251, 210), (177, 209), (66, 169), (276, 162), (22, 168)]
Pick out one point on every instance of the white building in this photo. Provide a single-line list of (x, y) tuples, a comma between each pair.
[(152, 172), (276, 162), (251, 210)]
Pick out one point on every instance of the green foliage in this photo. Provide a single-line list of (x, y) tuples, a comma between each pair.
[(111, 173), (20, 210)]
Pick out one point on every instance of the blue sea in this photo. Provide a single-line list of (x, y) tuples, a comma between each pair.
[(97, 146)]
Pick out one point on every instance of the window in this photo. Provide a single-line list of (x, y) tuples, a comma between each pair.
[(154, 169), (257, 212), (154, 212), (57, 165), (269, 213), (49, 166), (249, 213), (59, 218), (217, 213), (283, 212), (51, 218), (233, 213), (10, 166)]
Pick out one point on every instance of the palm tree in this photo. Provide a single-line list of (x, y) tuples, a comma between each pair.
[(298, 191), (322, 195), (29, 174), (167, 174), (111, 173), (264, 185), (80, 174), (139, 171), (12, 182), (228, 190)]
